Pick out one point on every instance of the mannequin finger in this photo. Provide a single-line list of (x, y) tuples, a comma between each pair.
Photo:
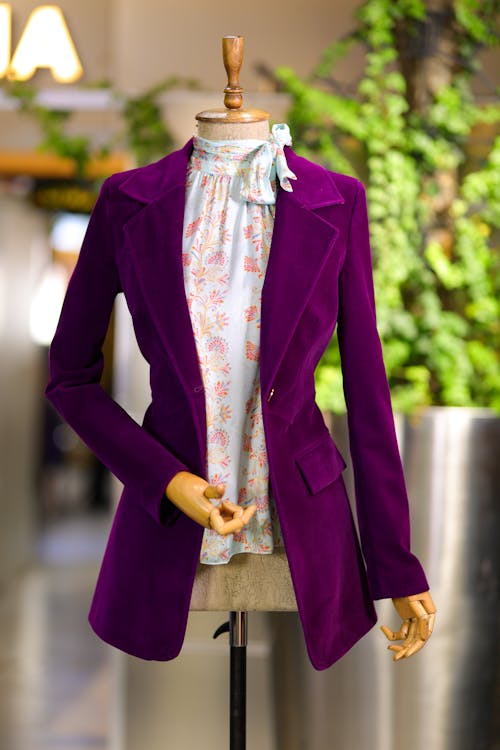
[(404, 649), (214, 491), (418, 608), (206, 505), (405, 628), (235, 510), (229, 527), (248, 513), (410, 628), (389, 634), (413, 629), (392, 635), (394, 647), (411, 637), (401, 655), (426, 600), (216, 521), (400, 634), (425, 627), (412, 623), (222, 526), (407, 650), (419, 643), (431, 624)]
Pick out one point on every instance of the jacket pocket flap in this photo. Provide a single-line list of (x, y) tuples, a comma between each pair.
[(320, 463)]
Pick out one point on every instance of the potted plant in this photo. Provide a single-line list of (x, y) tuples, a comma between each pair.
[(411, 132)]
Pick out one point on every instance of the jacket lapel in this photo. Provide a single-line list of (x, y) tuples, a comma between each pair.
[(301, 243)]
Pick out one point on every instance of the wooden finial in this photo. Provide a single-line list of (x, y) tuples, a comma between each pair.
[(232, 55)]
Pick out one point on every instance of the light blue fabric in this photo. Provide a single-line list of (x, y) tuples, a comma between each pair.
[(254, 162), (231, 190)]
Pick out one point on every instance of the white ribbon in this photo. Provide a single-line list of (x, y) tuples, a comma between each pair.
[(267, 162)]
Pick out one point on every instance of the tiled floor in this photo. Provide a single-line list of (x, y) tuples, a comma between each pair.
[(54, 673)]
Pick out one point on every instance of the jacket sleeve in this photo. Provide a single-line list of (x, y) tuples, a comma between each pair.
[(382, 506), (76, 363)]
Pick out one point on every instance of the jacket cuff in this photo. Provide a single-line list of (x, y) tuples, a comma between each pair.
[(158, 504), (406, 579)]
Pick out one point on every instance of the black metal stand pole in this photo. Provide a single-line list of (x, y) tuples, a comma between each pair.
[(238, 641), (237, 628)]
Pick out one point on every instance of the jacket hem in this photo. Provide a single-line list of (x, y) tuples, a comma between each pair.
[(130, 649), (358, 631)]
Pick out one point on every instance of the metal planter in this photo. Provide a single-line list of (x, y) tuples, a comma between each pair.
[(446, 697)]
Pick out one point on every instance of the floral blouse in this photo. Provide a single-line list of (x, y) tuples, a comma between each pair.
[(228, 224)]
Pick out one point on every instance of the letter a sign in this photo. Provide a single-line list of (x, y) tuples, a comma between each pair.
[(44, 43)]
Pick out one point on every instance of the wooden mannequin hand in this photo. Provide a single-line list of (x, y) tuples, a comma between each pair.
[(418, 614), (190, 493)]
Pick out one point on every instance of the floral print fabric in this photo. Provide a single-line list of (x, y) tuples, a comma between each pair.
[(231, 188)]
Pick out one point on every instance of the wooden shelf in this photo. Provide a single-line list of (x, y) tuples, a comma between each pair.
[(38, 164)]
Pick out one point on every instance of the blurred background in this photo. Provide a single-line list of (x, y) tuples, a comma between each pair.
[(404, 96)]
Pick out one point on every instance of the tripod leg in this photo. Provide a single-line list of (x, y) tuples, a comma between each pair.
[(238, 625)]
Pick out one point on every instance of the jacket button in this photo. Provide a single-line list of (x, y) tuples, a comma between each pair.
[(198, 388), (271, 393)]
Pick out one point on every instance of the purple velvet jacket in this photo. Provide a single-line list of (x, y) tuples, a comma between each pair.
[(319, 275)]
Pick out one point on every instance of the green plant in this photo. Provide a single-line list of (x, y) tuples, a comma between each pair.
[(146, 134), (406, 131)]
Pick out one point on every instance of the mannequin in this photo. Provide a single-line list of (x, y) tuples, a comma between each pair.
[(318, 275), (191, 493)]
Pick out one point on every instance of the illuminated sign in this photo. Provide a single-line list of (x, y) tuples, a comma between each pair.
[(44, 43)]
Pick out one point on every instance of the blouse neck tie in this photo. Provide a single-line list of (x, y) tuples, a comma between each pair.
[(255, 162)]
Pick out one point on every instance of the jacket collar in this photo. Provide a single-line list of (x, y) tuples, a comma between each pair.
[(314, 188)]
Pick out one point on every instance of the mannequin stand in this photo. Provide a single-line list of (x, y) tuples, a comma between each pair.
[(249, 582), (237, 628)]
